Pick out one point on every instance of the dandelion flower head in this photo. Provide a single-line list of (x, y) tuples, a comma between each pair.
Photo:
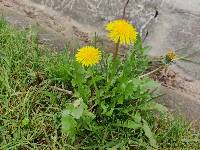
[(122, 31), (88, 56), (171, 56)]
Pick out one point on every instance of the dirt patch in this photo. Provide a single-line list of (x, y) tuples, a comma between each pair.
[(173, 80)]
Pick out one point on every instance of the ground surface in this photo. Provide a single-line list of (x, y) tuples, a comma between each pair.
[(169, 24), (34, 84)]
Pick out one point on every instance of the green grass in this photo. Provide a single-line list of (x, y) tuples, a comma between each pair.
[(30, 112)]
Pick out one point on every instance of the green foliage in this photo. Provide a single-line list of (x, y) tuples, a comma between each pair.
[(111, 106), (115, 96)]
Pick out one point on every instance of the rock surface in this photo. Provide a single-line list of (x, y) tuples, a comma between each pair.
[(169, 24), (98, 12), (180, 103), (178, 28)]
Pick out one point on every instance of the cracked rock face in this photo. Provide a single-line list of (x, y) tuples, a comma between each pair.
[(99, 12), (178, 28)]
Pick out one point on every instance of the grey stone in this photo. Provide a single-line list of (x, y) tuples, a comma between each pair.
[(181, 104), (18, 22), (98, 12), (51, 40), (178, 28)]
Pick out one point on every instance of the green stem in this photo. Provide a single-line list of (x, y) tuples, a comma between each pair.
[(115, 51), (95, 40), (151, 72), (95, 86)]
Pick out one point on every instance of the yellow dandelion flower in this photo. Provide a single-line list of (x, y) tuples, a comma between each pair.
[(171, 56), (122, 31), (88, 56)]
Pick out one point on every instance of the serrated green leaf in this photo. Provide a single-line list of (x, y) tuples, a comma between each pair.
[(104, 107), (77, 113), (110, 112), (69, 125), (120, 100), (75, 110), (25, 122), (132, 125), (89, 114), (137, 118), (146, 49), (154, 106), (128, 124), (84, 92), (150, 84), (149, 134)]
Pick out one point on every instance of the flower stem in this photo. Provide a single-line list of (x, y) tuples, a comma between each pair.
[(151, 72), (124, 10), (115, 51), (95, 85)]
